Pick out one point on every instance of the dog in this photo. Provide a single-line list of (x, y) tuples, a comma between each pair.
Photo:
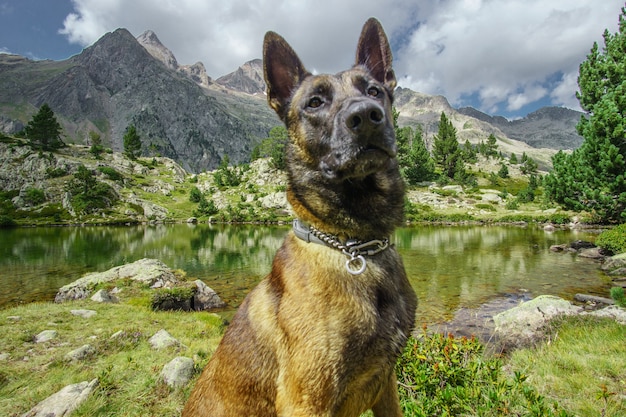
[(320, 335)]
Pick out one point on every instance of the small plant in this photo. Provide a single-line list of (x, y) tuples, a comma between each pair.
[(177, 298), (195, 195), (111, 173), (617, 294), (613, 240), (34, 196), (441, 375)]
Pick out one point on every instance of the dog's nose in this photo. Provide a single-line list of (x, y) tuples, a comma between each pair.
[(364, 115)]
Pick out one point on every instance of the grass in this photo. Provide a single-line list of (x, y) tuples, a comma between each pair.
[(582, 367), (127, 367), (579, 372)]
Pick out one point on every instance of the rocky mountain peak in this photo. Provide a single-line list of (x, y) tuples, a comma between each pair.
[(153, 45), (248, 78)]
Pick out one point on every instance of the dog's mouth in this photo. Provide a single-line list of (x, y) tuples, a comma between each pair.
[(358, 162)]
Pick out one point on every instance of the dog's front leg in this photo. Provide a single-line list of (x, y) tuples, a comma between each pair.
[(388, 404)]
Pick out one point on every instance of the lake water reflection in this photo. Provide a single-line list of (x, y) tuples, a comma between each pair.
[(449, 267)]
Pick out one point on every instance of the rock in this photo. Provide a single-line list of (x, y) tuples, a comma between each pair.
[(192, 220), (4, 356), (205, 298), (64, 401), (614, 312), (178, 372), (162, 339), (80, 353), (148, 271), (102, 296), (558, 248), (585, 298), (592, 253), (84, 313), (549, 228), (118, 334), (14, 318), (491, 198), (524, 325), (581, 244), (614, 262), (46, 336)]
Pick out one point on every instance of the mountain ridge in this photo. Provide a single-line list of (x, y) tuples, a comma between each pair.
[(183, 114)]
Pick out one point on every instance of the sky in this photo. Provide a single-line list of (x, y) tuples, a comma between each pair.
[(503, 57)]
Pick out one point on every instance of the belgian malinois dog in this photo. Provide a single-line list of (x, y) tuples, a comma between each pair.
[(320, 335)]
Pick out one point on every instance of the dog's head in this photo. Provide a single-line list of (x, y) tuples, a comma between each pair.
[(340, 126)]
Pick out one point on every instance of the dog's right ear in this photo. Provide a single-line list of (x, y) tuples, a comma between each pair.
[(283, 71)]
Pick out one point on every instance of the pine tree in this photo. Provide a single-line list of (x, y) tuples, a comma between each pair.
[(44, 131), (418, 164), (446, 150), (96, 144), (132, 142), (491, 148), (593, 177)]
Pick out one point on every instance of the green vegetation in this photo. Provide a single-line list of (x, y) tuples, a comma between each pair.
[(89, 194), (593, 177), (613, 240), (132, 143), (580, 372), (442, 375), (126, 367), (96, 144), (583, 368), (446, 151), (273, 147), (416, 164), (44, 131), (617, 294)]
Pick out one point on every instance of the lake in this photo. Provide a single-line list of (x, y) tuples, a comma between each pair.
[(450, 267)]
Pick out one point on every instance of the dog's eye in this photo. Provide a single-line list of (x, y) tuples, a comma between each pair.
[(373, 92), (314, 102)]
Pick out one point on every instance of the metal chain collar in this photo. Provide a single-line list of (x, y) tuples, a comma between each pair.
[(355, 250)]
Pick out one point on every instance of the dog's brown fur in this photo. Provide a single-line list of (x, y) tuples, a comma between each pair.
[(312, 339)]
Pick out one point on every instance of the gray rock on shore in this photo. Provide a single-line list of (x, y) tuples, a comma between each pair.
[(149, 271), (64, 401)]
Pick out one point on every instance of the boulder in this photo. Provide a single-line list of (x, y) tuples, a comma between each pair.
[(46, 336), (205, 298), (162, 339), (83, 313), (177, 372), (103, 296), (64, 401), (525, 324), (80, 353), (148, 271), (613, 312)]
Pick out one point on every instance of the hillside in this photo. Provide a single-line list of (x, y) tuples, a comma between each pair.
[(50, 188)]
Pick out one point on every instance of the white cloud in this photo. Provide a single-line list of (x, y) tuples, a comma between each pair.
[(564, 94), (502, 52)]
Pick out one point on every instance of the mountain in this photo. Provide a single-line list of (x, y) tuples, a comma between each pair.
[(548, 127), (117, 82), (183, 114), (153, 45), (248, 78)]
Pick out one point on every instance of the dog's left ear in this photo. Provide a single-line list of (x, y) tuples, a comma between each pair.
[(283, 72), (374, 53)]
